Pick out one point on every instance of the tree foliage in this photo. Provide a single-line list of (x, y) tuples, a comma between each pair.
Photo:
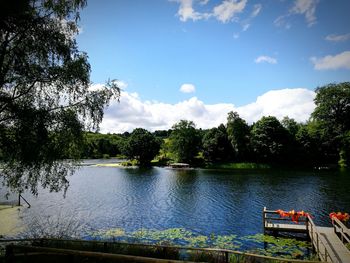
[(185, 141), (332, 113), (45, 99), (98, 145), (269, 139), (238, 134), (216, 145), (142, 146)]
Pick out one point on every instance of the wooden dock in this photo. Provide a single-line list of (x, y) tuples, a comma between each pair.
[(328, 242)]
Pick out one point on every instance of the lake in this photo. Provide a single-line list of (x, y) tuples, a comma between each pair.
[(202, 202)]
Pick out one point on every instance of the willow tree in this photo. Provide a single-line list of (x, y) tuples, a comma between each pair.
[(45, 96)]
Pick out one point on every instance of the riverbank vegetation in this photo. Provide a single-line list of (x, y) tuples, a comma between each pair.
[(323, 141)]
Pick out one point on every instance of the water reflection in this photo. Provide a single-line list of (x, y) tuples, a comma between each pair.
[(202, 201)]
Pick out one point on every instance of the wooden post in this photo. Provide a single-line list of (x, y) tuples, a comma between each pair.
[(226, 257), (317, 245), (264, 220), (312, 236)]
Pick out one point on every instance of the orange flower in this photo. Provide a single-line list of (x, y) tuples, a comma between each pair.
[(340, 216), (293, 214)]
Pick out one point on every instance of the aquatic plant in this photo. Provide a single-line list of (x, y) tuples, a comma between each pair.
[(171, 234), (197, 241), (279, 246), (109, 233), (263, 244), (227, 242)]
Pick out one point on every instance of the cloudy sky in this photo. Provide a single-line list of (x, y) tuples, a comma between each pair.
[(200, 59)]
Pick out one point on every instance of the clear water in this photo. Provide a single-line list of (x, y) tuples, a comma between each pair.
[(205, 202)]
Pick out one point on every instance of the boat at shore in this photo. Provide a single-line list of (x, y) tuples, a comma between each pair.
[(179, 166)]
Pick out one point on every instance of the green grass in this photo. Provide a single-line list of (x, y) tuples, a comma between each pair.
[(238, 166)]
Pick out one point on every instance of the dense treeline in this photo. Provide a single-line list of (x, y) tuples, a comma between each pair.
[(322, 141)]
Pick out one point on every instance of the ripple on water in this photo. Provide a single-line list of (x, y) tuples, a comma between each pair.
[(205, 202)]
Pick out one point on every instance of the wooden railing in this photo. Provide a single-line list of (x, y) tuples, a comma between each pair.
[(271, 216), (322, 249), (19, 200), (45, 245), (342, 230)]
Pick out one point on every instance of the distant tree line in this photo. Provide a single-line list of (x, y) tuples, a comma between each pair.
[(322, 141)]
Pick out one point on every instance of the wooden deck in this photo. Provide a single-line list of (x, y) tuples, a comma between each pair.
[(328, 242)]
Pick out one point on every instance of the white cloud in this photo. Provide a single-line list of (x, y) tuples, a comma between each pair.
[(338, 38), (186, 11), (187, 88), (122, 84), (98, 86), (256, 10), (245, 27), (203, 2), (267, 59), (247, 22), (338, 61), (131, 112), (282, 22), (226, 11), (294, 103), (306, 8)]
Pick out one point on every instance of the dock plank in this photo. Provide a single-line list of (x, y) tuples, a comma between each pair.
[(339, 252), (285, 227), (328, 245)]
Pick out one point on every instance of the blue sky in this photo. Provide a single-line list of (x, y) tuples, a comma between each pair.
[(228, 53)]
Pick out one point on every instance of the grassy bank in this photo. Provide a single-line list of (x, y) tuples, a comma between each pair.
[(238, 166)]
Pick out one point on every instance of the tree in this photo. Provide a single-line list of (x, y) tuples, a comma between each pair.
[(216, 145), (142, 146), (290, 125), (185, 141), (310, 149), (45, 96), (238, 133), (269, 139), (332, 113)]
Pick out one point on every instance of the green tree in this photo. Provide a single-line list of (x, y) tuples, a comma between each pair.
[(238, 133), (269, 139), (216, 145), (332, 113), (292, 147), (185, 141), (290, 125), (310, 149), (142, 146), (45, 96)]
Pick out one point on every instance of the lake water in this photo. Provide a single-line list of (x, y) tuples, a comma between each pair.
[(204, 202)]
